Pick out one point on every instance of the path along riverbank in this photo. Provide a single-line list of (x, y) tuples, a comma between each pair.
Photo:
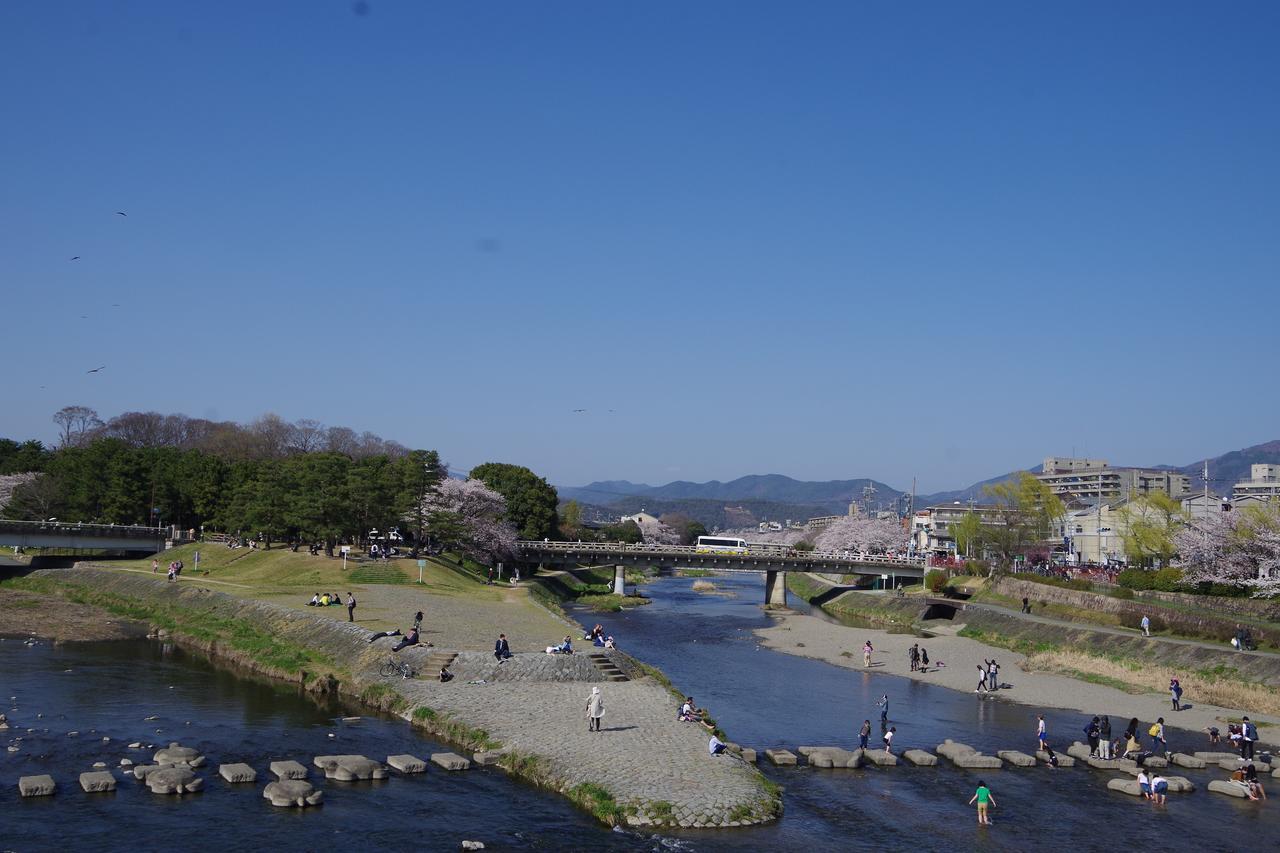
[(643, 769), (814, 637)]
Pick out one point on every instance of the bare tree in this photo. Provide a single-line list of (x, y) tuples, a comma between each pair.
[(341, 440), (75, 422), (273, 435), (307, 436), (139, 429)]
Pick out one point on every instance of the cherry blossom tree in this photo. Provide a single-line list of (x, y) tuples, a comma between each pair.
[(1240, 548), (862, 535), (470, 516), (657, 533)]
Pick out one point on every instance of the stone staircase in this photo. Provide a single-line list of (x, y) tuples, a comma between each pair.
[(607, 667), (437, 659)]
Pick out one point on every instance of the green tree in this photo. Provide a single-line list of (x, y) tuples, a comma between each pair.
[(1149, 524), (968, 533), (570, 519), (531, 500), (627, 531), (21, 458), (420, 472), (1025, 512)]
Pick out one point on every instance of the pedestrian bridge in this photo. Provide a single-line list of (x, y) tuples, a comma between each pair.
[(774, 563), (97, 537)]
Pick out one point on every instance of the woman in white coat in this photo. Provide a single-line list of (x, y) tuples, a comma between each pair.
[(595, 709)]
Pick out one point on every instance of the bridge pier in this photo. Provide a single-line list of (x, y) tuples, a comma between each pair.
[(775, 589), (619, 580)]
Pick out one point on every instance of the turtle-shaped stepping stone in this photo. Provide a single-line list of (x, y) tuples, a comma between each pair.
[(174, 780), (292, 792)]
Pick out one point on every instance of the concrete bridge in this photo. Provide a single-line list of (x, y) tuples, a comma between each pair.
[(774, 563), (98, 537)]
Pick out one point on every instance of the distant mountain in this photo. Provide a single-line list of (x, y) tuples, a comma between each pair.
[(776, 497), (832, 496), (1231, 467)]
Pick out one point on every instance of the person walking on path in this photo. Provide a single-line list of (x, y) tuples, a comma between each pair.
[(982, 680), (864, 734), (501, 649), (1146, 625), (1248, 734), (1175, 693), (984, 799), (884, 710), (866, 653), (155, 566), (595, 710), (924, 660), (1041, 734), (1026, 605), (351, 607), (1104, 741)]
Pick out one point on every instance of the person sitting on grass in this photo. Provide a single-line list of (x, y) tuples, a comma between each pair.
[(324, 600), (410, 639), (315, 600)]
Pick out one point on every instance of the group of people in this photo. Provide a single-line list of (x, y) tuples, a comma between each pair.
[(328, 599), (175, 568), (598, 638), (988, 676), (412, 637), (918, 657)]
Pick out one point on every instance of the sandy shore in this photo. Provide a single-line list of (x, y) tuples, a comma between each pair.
[(841, 646), (26, 614)]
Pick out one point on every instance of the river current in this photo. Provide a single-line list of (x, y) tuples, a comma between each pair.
[(703, 642)]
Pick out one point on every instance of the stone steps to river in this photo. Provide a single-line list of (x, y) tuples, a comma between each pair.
[(607, 667)]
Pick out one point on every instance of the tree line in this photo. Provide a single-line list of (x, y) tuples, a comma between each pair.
[(272, 490)]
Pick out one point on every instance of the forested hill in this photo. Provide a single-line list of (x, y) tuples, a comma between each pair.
[(831, 496)]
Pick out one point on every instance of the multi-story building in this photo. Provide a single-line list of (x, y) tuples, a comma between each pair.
[(931, 527), (1263, 482), (1094, 479)]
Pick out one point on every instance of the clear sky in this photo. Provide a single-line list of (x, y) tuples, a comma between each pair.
[(829, 240)]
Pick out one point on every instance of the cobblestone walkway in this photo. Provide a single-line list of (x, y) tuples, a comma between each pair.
[(643, 754)]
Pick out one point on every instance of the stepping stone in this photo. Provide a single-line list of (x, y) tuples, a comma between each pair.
[(749, 756), (1180, 784), (1125, 786), (97, 780), (920, 758), (126, 763), (36, 786), (1231, 789), (781, 757), (977, 761), (488, 757), (292, 792), (1063, 760), (406, 763), (236, 773), (1017, 759), (1079, 751), (833, 756), (1275, 774), (1155, 762), (1232, 764), (176, 753), (288, 770), (1189, 761), (351, 768), (1212, 757), (879, 758), (949, 749), (450, 761), (174, 780)]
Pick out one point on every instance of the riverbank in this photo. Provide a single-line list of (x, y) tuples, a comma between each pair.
[(813, 637), (25, 614), (644, 769)]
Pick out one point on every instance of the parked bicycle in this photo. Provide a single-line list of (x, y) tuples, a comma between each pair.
[(395, 667)]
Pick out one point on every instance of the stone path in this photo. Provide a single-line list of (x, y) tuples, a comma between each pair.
[(642, 754)]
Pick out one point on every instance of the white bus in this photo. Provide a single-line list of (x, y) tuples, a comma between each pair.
[(721, 544)]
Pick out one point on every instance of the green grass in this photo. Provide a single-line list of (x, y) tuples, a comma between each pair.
[(262, 647), (526, 766), (384, 697), (378, 573), (611, 603), (600, 802), (451, 729), (660, 811)]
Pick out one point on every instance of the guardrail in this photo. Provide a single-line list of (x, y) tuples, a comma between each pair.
[(80, 529), (678, 550)]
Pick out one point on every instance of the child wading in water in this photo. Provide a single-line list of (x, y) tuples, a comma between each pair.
[(983, 796)]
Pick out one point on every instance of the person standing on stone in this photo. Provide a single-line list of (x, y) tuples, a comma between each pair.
[(1248, 734), (1104, 741), (595, 710), (1158, 743), (864, 734), (351, 607), (1091, 732)]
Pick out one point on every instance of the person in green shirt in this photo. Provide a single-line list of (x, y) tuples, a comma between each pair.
[(983, 797)]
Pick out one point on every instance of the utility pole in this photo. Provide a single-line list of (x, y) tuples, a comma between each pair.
[(1098, 526), (1205, 476)]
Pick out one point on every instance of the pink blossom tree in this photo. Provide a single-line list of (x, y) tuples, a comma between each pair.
[(657, 533), (1239, 548), (470, 516), (862, 536)]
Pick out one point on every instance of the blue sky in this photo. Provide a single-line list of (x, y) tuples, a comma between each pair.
[(824, 239)]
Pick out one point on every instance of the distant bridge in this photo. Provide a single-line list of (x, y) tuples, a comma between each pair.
[(100, 537), (774, 564)]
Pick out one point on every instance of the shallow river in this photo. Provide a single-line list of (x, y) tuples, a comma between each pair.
[(704, 642)]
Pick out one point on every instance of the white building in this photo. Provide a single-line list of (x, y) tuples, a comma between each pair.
[(1263, 482), (640, 517), (1091, 479)]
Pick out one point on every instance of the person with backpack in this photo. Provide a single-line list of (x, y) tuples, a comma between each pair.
[(1158, 743), (1091, 733), (1248, 734)]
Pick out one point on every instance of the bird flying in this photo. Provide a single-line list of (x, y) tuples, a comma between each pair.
[(76, 258), (576, 411), (96, 369), (121, 213)]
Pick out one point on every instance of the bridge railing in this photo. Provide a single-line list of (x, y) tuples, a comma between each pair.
[(80, 529), (545, 547)]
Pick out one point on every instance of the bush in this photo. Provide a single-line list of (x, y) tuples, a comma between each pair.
[(1135, 579), (1122, 593), (1050, 580), (803, 546), (935, 580), (977, 568), (1167, 580)]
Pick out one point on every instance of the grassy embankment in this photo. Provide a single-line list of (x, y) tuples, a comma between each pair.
[(887, 610), (589, 587)]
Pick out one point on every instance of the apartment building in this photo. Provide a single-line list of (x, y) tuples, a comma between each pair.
[(1094, 479), (1263, 482)]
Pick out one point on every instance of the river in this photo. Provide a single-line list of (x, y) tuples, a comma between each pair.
[(704, 642)]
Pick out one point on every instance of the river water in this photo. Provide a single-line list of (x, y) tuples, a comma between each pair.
[(704, 642)]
